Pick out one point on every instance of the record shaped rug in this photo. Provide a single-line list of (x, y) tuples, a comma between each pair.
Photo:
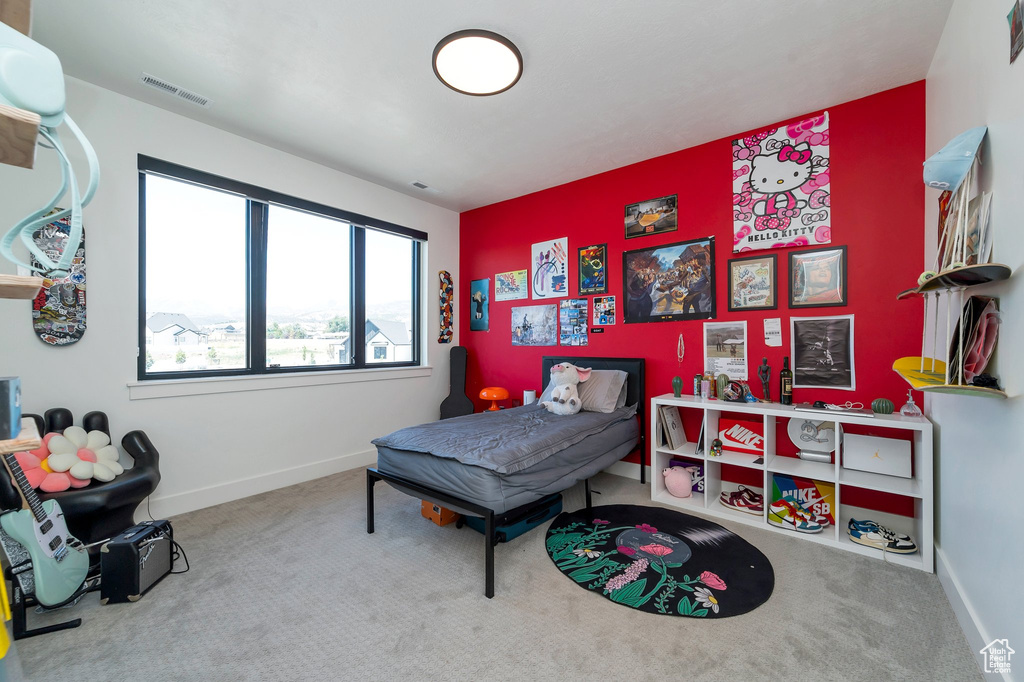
[(660, 561)]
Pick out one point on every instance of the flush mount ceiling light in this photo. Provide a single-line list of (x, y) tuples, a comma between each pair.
[(477, 62)]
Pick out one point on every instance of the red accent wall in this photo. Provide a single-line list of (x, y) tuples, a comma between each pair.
[(877, 148)]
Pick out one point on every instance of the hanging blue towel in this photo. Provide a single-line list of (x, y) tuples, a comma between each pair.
[(948, 167)]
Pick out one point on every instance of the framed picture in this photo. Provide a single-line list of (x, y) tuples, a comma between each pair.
[(817, 279), (753, 283), (479, 320), (670, 282), (653, 216), (593, 270), (822, 349), (535, 325), (604, 310)]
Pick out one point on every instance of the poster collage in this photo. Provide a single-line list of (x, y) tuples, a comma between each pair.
[(781, 198)]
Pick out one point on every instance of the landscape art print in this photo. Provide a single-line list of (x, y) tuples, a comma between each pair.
[(535, 325), (511, 286), (670, 282), (822, 349), (780, 187), (549, 263)]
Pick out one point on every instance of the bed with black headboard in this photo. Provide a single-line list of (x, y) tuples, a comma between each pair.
[(497, 466)]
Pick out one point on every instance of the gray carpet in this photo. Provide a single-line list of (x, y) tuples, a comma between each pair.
[(288, 586)]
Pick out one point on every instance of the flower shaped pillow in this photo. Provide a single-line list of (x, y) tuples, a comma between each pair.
[(84, 455), (39, 474)]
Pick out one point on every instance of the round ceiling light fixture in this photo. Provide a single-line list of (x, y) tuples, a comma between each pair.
[(477, 62)]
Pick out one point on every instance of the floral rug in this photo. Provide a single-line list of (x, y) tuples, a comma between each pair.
[(660, 561)]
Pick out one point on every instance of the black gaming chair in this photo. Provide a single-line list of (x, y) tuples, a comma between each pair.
[(100, 510)]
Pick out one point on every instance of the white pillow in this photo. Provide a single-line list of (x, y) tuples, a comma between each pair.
[(604, 391)]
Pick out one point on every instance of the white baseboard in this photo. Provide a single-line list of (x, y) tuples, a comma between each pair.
[(973, 630), (628, 470), (172, 505)]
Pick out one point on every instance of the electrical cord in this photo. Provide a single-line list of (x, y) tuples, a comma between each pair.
[(178, 552)]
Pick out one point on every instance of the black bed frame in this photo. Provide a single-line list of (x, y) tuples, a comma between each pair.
[(634, 395)]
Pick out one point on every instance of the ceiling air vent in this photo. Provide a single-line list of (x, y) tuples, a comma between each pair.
[(425, 187), (172, 89)]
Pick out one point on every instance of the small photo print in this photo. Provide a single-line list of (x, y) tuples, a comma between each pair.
[(753, 283), (653, 216), (604, 310)]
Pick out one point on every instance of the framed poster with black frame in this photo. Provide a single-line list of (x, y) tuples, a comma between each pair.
[(593, 269), (817, 279), (669, 282), (754, 283), (822, 349)]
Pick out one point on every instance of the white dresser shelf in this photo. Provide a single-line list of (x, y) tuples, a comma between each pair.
[(919, 488)]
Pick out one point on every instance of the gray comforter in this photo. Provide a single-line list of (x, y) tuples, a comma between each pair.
[(505, 441)]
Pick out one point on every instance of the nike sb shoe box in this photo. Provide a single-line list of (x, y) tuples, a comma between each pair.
[(817, 496), (878, 455)]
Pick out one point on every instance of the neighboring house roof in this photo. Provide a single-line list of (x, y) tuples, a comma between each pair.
[(159, 322), (396, 332)]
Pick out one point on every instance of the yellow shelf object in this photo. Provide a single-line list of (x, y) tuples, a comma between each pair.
[(933, 378)]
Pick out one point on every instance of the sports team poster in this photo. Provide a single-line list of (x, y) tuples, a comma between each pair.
[(549, 263), (511, 286), (780, 187)]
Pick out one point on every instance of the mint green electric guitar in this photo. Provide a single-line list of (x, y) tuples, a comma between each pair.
[(60, 563)]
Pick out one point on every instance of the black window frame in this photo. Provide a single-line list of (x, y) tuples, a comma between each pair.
[(258, 201)]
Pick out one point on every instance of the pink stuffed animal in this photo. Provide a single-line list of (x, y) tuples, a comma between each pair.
[(678, 481), (565, 399)]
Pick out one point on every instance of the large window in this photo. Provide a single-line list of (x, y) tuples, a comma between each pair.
[(235, 279)]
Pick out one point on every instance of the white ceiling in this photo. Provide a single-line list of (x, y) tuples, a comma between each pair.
[(606, 83)]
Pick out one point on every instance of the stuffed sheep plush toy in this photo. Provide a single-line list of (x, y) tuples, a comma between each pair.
[(565, 399)]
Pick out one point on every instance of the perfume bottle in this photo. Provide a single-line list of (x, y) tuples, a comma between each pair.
[(910, 409)]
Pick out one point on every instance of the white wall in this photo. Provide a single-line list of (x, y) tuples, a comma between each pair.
[(213, 447), (980, 458)]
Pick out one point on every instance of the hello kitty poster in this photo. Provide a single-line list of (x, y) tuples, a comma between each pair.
[(780, 187)]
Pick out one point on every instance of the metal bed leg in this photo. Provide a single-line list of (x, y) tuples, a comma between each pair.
[(586, 487), (489, 554), (370, 480)]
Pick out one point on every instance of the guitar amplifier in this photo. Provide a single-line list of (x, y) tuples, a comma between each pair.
[(132, 562)]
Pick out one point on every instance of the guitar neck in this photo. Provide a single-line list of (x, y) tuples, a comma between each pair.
[(28, 495)]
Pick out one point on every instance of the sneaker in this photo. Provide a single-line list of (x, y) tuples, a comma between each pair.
[(744, 500), (873, 534), (785, 515), (804, 507)]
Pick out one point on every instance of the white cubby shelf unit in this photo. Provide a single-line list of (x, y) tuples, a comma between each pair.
[(919, 488)]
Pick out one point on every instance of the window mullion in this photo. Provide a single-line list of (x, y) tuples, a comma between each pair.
[(357, 330), (257, 304)]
